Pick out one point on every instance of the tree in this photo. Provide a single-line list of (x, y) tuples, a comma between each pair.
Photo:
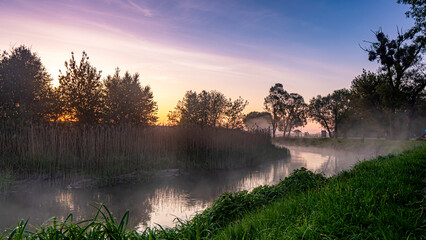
[(208, 109), (81, 91), (234, 113), (399, 58), (367, 102), (272, 104), (329, 111), (25, 90), (127, 102), (293, 112), (418, 13)]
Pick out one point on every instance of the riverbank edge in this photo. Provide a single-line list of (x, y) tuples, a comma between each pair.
[(376, 145), (379, 198), (382, 198)]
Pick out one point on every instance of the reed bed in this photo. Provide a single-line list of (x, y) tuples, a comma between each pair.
[(65, 149)]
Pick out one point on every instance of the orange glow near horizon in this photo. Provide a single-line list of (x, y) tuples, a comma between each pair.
[(196, 45)]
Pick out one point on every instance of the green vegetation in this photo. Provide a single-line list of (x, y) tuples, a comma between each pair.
[(378, 199), (107, 151), (373, 145)]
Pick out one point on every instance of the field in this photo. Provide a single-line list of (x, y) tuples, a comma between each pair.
[(377, 199)]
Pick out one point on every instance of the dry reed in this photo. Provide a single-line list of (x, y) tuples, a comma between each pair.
[(68, 149)]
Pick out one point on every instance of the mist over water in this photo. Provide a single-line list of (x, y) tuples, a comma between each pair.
[(176, 194)]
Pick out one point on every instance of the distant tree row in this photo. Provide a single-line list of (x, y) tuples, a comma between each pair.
[(208, 109), (26, 92), (385, 103)]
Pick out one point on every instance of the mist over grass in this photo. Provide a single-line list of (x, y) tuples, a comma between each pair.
[(376, 146)]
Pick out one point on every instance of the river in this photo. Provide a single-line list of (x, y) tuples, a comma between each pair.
[(175, 194)]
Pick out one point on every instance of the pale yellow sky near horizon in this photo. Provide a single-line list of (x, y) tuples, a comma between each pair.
[(174, 54)]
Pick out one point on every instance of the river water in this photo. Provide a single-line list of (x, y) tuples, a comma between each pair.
[(176, 194)]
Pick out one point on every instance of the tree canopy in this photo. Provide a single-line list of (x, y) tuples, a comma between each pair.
[(126, 101), (208, 109), (25, 89)]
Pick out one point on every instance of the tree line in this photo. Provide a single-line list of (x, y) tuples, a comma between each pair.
[(384, 103), (27, 94)]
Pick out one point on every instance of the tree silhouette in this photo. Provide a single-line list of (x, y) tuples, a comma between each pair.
[(273, 104), (401, 64), (330, 110), (81, 91), (208, 109), (234, 113), (25, 90), (127, 102), (293, 113)]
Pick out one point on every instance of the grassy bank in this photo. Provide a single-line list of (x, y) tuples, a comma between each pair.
[(378, 199), (106, 151), (376, 145)]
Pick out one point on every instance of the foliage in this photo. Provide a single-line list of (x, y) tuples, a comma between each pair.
[(81, 91), (127, 102), (293, 113), (25, 90), (287, 110), (403, 75), (378, 199), (208, 109), (329, 111), (272, 104)]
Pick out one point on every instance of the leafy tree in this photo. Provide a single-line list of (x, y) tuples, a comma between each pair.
[(126, 101), (81, 91), (234, 113), (367, 102), (273, 104), (329, 111), (25, 90), (293, 113), (210, 109), (398, 58)]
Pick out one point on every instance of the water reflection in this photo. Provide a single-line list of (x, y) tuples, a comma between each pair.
[(160, 202)]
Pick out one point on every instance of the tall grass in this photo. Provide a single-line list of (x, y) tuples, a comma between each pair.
[(62, 150)]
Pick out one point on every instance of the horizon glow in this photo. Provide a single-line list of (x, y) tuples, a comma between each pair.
[(240, 48)]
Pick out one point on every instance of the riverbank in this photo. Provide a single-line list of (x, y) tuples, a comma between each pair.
[(379, 146), (381, 198)]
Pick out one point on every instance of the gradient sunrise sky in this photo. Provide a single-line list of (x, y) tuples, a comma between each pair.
[(240, 48)]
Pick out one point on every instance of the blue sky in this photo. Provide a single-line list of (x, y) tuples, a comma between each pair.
[(240, 48)]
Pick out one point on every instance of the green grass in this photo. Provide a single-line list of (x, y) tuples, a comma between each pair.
[(378, 199), (380, 146)]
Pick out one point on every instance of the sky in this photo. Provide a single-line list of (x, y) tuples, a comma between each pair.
[(238, 47)]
